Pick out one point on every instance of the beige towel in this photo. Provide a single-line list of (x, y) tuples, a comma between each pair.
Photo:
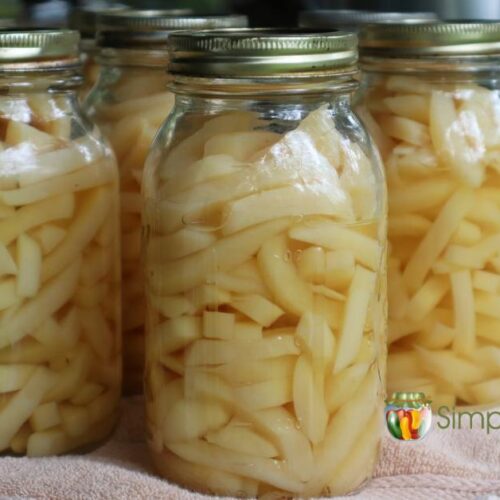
[(448, 464)]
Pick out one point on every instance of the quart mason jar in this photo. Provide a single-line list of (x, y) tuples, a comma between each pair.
[(264, 249), (431, 100), (129, 103), (60, 348)]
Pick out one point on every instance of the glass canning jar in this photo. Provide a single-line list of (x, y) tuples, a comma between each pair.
[(264, 246), (60, 345), (129, 103), (430, 96)]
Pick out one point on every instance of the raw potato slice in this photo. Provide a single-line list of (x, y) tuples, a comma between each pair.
[(45, 416), (29, 259), (405, 130), (437, 237), (309, 400), (190, 419), (283, 202), (360, 293), (315, 337), (340, 387), (242, 439), (21, 405), (428, 297), (258, 308), (239, 145), (218, 325), (49, 236), (311, 265), (412, 106), (266, 470), (339, 269), (330, 235), (233, 251), (281, 277), (14, 377), (268, 394)]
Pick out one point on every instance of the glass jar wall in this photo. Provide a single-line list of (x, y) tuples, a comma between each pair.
[(129, 103), (431, 100), (264, 249), (60, 349)]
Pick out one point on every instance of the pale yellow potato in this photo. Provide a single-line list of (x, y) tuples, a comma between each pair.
[(49, 236), (29, 262), (340, 387), (257, 308), (464, 341), (201, 384), (45, 416), (57, 208), (233, 251), (14, 377), (239, 145), (328, 234), (428, 296), (75, 420), (7, 263), (406, 130), (22, 133), (8, 295), (282, 278), (218, 325), (360, 293), (20, 407), (171, 306), (311, 265), (238, 284), (97, 331), (48, 442), (267, 394), (486, 281), (247, 331), (316, 339), (309, 399), (413, 106), (87, 393), (408, 225), (339, 268), (177, 333)]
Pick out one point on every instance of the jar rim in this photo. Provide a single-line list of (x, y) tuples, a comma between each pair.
[(262, 52)]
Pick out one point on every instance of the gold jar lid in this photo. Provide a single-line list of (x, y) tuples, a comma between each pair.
[(431, 39), (353, 20), (260, 52), (38, 45), (150, 28)]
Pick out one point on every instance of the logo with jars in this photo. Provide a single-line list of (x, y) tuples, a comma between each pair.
[(408, 416)]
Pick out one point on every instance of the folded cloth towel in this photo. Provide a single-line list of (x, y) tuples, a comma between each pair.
[(447, 464)]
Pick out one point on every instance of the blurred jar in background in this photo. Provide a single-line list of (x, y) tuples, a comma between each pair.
[(129, 102)]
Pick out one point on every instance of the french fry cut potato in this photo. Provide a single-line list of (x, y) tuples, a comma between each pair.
[(265, 309), (59, 284), (444, 235), (129, 120)]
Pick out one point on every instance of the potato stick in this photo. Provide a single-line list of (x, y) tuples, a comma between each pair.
[(29, 260), (268, 394), (171, 306), (487, 392), (340, 387), (455, 139), (242, 439), (488, 328), (188, 272), (104, 405), (75, 420), (311, 265), (339, 268), (8, 295), (177, 333), (218, 325), (331, 235), (331, 310), (97, 331), (87, 177), (309, 399), (21, 405), (184, 242), (397, 294), (19, 442), (488, 356), (399, 328), (18, 132), (255, 371), (464, 312), (7, 264), (343, 431), (258, 309), (49, 236), (277, 270), (436, 239), (86, 394), (36, 214), (448, 366), (45, 416), (60, 162), (414, 107), (14, 377), (90, 216), (420, 196), (216, 352), (239, 285), (436, 337), (31, 352), (467, 234), (363, 457), (262, 469), (284, 202), (204, 170), (51, 297), (315, 338), (240, 145), (408, 85), (485, 213), (131, 107), (360, 293), (405, 129), (486, 281), (487, 304), (383, 142), (458, 257), (96, 265), (204, 479), (428, 296), (91, 296), (408, 225)]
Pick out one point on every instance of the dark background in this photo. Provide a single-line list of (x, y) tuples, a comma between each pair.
[(260, 12)]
